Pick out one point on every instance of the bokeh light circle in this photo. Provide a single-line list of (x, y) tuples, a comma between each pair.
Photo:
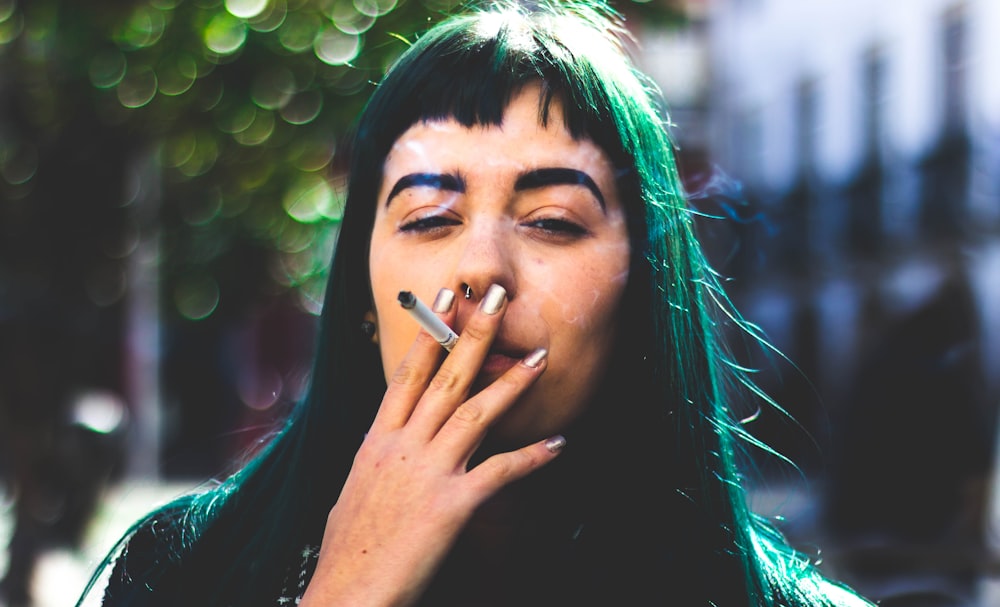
[(374, 8), (18, 163), (310, 199), (270, 19), (232, 120), (200, 210), (348, 19), (273, 88), (203, 157), (246, 9), (298, 32), (7, 8), (144, 28), (196, 297), (225, 34), (178, 150), (313, 154), (107, 68), (106, 283), (303, 108), (259, 131), (11, 28), (137, 87), (176, 74), (335, 47)]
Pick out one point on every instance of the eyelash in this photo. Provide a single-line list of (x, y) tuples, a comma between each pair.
[(559, 226), (428, 223), (551, 225)]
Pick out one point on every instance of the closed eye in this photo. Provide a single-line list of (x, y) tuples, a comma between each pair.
[(560, 227), (428, 223)]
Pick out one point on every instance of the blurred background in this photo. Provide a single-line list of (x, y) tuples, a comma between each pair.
[(170, 192)]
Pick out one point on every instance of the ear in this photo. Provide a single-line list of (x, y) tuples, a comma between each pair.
[(372, 322)]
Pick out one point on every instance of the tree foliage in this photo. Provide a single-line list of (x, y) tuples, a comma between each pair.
[(238, 104)]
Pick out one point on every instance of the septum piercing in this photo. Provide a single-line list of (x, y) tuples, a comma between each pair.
[(468, 290)]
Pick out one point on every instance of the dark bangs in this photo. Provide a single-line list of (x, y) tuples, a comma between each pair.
[(469, 68), (471, 71)]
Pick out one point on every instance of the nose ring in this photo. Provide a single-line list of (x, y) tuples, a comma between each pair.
[(468, 290)]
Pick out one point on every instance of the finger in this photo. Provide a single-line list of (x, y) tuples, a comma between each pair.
[(504, 468), (411, 378), (450, 385), (464, 430)]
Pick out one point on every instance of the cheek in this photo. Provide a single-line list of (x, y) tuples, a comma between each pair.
[(381, 274), (396, 329), (587, 296), (396, 332), (387, 276), (391, 270)]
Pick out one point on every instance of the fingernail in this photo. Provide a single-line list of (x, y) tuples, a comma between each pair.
[(493, 300), (535, 358), (443, 301), (556, 443)]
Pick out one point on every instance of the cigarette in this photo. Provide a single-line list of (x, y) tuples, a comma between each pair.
[(431, 323)]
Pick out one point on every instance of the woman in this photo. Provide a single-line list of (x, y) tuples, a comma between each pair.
[(576, 445)]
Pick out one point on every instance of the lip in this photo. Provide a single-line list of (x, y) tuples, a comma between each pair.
[(498, 362)]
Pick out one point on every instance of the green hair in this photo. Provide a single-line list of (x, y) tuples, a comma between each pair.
[(236, 540)]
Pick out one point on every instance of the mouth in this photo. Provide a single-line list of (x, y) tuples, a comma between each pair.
[(499, 360), (497, 363)]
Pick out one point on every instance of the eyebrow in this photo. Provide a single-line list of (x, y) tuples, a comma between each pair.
[(438, 181), (540, 178), (534, 179)]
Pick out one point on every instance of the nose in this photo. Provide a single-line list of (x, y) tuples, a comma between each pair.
[(486, 258)]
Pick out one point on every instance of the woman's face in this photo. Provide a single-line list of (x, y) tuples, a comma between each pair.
[(521, 205)]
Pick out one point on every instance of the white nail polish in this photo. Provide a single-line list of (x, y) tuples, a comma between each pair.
[(493, 300), (442, 303), (535, 358), (555, 444)]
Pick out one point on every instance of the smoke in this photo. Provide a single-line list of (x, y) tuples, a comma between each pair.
[(716, 195)]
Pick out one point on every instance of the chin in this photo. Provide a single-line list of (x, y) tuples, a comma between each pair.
[(508, 435), (519, 428)]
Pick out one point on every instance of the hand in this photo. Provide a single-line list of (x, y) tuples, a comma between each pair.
[(409, 493)]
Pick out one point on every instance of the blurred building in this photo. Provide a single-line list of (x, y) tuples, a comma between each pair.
[(850, 151)]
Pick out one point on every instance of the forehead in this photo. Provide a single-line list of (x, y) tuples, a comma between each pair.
[(528, 133)]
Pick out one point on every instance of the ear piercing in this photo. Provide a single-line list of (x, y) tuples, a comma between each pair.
[(467, 290)]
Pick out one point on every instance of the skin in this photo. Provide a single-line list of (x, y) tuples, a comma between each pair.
[(529, 212), (562, 258)]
